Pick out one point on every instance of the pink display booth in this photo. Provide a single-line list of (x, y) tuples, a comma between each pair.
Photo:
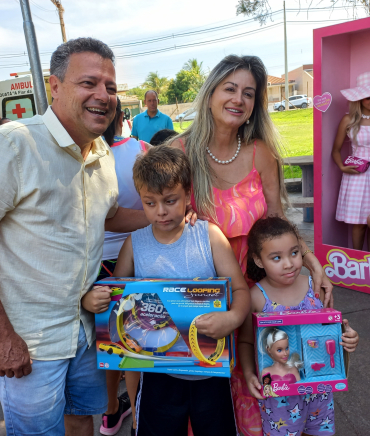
[(341, 53)]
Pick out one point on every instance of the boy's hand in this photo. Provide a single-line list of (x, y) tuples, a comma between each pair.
[(254, 386), (216, 325), (97, 300), (350, 338)]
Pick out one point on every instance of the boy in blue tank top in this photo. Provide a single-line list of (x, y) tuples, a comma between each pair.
[(170, 248)]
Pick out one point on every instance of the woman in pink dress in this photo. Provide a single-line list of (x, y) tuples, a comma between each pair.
[(237, 177), (354, 195)]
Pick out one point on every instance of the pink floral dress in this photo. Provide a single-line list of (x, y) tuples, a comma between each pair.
[(237, 209)]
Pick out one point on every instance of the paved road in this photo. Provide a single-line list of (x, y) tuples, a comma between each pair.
[(351, 407)]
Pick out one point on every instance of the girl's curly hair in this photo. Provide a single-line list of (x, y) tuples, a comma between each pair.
[(262, 230)]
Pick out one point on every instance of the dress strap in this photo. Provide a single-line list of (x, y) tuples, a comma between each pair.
[(116, 144), (254, 151), (182, 145), (263, 291)]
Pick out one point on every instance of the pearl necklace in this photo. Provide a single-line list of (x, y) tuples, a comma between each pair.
[(367, 117), (223, 162)]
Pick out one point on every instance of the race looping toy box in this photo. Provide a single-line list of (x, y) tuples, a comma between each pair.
[(298, 352), (150, 326)]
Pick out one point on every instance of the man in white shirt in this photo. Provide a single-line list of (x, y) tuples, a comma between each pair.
[(58, 189)]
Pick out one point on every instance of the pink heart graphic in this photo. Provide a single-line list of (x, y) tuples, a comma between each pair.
[(322, 102)]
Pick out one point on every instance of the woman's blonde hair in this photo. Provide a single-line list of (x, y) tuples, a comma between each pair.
[(199, 134), (355, 119)]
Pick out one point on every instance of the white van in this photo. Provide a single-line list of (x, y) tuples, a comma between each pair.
[(17, 99)]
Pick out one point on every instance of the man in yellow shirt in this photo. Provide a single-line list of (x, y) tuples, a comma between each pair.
[(58, 190)]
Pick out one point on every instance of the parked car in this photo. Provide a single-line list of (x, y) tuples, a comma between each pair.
[(188, 115), (300, 101)]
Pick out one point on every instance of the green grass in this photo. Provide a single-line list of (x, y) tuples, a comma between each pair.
[(180, 128), (295, 128)]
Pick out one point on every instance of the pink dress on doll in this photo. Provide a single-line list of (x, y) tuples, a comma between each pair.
[(237, 209), (354, 195)]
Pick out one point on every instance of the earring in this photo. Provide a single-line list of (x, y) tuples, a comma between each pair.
[(247, 121)]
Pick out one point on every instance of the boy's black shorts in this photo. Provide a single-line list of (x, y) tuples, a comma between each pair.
[(165, 404)]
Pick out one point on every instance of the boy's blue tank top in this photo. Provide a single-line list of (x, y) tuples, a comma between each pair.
[(189, 257)]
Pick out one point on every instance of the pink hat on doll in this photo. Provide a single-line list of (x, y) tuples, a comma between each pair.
[(362, 89)]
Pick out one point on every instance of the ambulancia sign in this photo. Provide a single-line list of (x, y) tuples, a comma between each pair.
[(17, 99)]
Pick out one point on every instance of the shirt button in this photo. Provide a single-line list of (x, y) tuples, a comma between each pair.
[(74, 148)]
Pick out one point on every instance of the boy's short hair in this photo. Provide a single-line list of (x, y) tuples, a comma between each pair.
[(162, 167)]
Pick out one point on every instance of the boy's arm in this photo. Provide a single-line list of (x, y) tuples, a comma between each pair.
[(246, 349), (220, 324), (97, 300), (125, 262)]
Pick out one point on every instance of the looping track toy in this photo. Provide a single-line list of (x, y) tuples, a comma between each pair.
[(150, 326)]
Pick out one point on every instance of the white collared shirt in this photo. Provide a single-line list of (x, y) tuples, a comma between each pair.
[(53, 205)]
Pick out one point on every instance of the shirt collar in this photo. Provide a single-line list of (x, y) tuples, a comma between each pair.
[(56, 128), (156, 115), (63, 138)]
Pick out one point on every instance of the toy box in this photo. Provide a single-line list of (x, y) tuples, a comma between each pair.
[(150, 327), (341, 53), (313, 340)]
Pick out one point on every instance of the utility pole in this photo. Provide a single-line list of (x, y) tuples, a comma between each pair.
[(60, 8), (34, 58), (286, 65)]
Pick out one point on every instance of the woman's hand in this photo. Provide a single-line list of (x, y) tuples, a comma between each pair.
[(350, 338), (190, 215), (350, 169), (254, 386), (320, 280)]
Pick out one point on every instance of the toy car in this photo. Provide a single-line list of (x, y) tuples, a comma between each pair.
[(112, 349)]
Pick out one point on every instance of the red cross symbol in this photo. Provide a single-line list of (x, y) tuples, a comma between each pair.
[(19, 110)]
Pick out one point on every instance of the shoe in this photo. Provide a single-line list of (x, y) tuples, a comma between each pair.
[(112, 423)]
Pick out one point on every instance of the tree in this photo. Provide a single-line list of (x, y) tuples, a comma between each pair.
[(139, 91), (261, 10), (156, 83), (193, 65)]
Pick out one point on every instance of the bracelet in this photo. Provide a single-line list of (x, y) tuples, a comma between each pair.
[(307, 251)]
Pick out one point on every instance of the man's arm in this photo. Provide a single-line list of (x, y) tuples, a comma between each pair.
[(126, 220), (134, 132), (169, 124), (14, 357)]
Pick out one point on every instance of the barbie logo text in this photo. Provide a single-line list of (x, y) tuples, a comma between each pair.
[(276, 387), (346, 270), (362, 164)]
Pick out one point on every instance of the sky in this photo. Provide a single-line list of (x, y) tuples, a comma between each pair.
[(138, 23)]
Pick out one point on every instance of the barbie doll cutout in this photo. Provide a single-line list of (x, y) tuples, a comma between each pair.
[(285, 367), (354, 195)]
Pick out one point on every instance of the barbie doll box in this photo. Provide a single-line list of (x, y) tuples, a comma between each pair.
[(298, 352), (150, 326)]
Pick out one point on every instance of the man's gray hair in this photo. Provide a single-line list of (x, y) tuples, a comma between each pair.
[(60, 58)]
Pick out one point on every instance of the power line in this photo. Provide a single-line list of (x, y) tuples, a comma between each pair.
[(212, 41), (189, 33)]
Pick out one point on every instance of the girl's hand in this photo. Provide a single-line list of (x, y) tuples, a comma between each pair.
[(350, 338), (350, 169), (216, 325), (97, 300), (254, 386)]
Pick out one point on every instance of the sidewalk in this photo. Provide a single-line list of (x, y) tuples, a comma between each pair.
[(351, 407)]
